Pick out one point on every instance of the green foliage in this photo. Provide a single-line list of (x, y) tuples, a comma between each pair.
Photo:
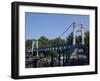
[(59, 41), (70, 39), (44, 41), (55, 54), (28, 43), (78, 39), (87, 38)]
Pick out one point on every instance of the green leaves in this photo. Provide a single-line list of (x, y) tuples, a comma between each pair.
[(44, 41), (87, 38)]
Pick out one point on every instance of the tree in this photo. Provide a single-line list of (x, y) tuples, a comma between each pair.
[(59, 41), (43, 41), (70, 39), (28, 44), (86, 38), (79, 39)]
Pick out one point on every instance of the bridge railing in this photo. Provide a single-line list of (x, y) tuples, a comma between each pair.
[(55, 55)]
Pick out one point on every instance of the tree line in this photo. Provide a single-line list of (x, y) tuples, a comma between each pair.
[(44, 41)]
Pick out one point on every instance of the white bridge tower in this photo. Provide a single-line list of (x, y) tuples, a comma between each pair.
[(77, 27), (33, 45)]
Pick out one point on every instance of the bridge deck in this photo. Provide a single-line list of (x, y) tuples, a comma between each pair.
[(57, 47)]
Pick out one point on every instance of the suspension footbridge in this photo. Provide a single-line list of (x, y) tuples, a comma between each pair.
[(64, 52)]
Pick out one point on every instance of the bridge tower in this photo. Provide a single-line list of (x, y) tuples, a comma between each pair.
[(33, 45), (77, 27)]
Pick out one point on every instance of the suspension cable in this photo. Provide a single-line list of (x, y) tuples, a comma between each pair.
[(65, 31)]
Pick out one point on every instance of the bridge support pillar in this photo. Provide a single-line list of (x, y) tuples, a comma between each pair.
[(77, 27)]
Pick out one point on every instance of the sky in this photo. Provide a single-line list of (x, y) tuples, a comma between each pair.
[(51, 25)]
